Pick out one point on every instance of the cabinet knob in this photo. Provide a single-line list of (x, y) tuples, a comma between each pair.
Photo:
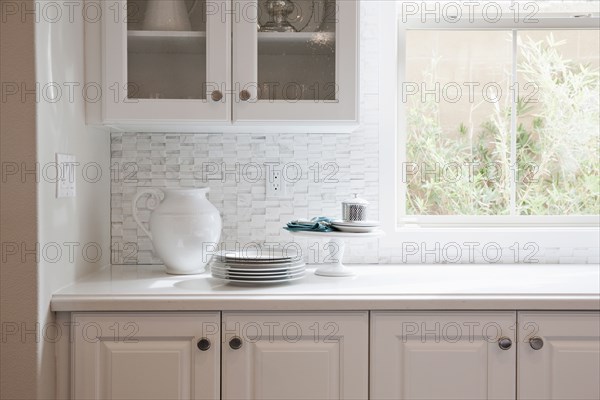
[(235, 343), (536, 343), (216, 95), (504, 343), (203, 344), (245, 95)]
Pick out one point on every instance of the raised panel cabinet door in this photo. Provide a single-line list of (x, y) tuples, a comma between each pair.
[(295, 356), (443, 355), (166, 61), (146, 356), (559, 355)]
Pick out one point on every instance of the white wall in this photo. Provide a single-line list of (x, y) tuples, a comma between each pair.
[(32, 132), (67, 223)]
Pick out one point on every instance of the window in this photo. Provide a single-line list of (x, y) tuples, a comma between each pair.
[(497, 112)]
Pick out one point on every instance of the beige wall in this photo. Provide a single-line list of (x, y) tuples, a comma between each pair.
[(28, 367), (18, 279)]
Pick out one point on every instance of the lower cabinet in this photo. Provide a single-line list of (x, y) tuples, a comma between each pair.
[(399, 355), (559, 356), (146, 356), (443, 355), (485, 355), (298, 356), (268, 355)]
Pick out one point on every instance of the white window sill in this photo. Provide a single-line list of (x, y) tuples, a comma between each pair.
[(507, 236)]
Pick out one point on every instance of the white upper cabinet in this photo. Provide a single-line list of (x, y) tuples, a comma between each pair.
[(305, 75), (165, 61), (225, 65), (445, 355), (559, 356)]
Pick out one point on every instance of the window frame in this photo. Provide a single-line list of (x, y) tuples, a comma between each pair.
[(547, 231)]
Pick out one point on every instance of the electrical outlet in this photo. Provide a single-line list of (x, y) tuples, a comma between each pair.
[(275, 185), (65, 175)]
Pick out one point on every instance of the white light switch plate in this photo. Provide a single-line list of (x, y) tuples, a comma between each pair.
[(65, 169)]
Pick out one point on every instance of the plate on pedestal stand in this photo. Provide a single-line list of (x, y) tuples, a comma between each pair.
[(336, 246)]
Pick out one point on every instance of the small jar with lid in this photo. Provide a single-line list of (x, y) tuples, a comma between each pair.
[(355, 209)]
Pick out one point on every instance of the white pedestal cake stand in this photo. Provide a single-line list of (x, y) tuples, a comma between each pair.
[(336, 246)]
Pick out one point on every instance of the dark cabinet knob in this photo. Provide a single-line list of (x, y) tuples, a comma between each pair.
[(235, 343), (203, 344), (216, 95), (245, 95), (504, 343), (536, 343)]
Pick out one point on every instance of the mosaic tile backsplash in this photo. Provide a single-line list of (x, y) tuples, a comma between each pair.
[(320, 170)]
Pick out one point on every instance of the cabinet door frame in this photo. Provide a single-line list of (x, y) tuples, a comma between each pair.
[(556, 329), (115, 327), (118, 109), (393, 332), (344, 333), (343, 111)]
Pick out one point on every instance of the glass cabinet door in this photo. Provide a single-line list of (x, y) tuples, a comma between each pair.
[(295, 60), (167, 60)]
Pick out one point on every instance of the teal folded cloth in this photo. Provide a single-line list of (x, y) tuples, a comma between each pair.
[(316, 224)]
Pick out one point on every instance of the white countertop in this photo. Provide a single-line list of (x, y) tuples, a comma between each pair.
[(376, 287)]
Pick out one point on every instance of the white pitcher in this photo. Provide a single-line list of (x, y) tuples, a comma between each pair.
[(167, 15), (184, 228)]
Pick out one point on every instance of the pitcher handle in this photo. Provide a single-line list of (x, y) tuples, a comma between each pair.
[(134, 209)]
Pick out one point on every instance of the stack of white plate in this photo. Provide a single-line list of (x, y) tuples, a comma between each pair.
[(355, 226), (269, 266)]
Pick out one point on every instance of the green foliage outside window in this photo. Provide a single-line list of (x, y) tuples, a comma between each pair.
[(557, 145)]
